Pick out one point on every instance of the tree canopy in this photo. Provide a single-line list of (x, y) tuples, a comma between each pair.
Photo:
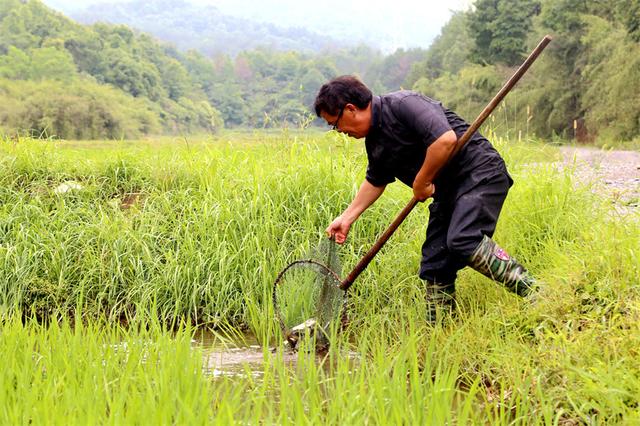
[(72, 81), (588, 77), (58, 77)]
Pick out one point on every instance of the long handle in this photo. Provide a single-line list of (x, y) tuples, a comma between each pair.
[(368, 257)]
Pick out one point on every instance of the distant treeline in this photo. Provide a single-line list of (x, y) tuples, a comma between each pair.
[(61, 78), (72, 81)]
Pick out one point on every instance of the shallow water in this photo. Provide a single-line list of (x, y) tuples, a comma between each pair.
[(237, 356), (242, 356)]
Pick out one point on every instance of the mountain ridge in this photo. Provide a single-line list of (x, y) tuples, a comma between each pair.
[(204, 28)]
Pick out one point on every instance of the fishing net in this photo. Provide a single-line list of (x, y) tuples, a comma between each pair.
[(307, 297)]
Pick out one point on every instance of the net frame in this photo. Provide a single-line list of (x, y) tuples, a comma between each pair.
[(322, 271)]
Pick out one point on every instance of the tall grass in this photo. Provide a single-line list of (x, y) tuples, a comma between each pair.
[(101, 373), (212, 225), (59, 374)]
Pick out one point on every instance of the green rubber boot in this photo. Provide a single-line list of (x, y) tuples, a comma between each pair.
[(492, 261), (441, 301)]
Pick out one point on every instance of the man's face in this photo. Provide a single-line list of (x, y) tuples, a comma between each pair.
[(350, 120)]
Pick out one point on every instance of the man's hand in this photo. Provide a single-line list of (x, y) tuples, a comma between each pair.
[(422, 191), (367, 195), (339, 228), (436, 158)]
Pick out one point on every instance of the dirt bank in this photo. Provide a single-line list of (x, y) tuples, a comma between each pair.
[(614, 174)]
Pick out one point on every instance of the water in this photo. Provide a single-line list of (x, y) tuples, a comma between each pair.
[(242, 356), (236, 356)]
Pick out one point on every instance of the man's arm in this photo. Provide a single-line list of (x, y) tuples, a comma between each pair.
[(367, 195), (435, 159)]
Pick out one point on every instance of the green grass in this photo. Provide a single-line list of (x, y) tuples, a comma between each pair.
[(217, 219), (60, 374)]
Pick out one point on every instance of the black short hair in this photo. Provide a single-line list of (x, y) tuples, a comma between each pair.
[(346, 89)]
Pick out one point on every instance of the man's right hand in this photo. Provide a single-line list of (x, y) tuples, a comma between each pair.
[(339, 229), (367, 195)]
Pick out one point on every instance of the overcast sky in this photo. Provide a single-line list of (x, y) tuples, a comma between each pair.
[(394, 23)]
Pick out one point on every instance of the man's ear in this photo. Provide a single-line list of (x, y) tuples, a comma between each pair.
[(350, 107)]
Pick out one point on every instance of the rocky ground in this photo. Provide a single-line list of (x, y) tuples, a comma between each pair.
[(614, 174)]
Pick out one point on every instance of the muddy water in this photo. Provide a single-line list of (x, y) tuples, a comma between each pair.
[(236, 356), (242, 356)]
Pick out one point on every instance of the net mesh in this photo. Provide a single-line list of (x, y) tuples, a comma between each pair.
[(331, 298), (307, 297)]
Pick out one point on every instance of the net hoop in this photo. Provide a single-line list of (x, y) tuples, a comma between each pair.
[(323, 268)]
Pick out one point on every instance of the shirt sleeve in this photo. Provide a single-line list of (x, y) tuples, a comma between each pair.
[(423, 116), (378, 179), (378, 173)]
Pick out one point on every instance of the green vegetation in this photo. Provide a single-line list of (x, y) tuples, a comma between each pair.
[(58, 78), (113, 253), (62, 79), (183, 231), (584, 86), (63, 374), (81, 110)]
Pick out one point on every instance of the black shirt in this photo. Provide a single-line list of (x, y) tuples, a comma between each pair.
[(404, 124)]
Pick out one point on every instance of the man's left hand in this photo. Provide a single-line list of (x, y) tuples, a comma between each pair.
[(423, 191)]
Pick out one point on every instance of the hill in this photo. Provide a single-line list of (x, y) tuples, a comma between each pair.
[(58, 77), (202, 27), (73, 81)]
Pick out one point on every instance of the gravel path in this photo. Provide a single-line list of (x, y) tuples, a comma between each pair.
[(612, 173)]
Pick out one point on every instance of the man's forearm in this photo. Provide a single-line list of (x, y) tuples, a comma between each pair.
[(367, 195), (437, 156)]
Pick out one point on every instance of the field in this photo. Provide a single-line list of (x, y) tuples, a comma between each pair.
[(114, 254)]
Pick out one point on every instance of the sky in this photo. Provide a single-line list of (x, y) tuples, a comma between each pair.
[(386, 24)]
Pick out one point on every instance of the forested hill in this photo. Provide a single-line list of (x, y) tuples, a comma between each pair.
[(64, 79), (203, 28), (60, 78)]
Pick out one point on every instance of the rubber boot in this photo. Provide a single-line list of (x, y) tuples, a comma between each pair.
[(492, 261), (441, 301)]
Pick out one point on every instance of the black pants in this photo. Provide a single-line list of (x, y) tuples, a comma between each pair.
[(457, 224)]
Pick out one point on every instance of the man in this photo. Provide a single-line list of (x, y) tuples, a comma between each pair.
[(411, 138)]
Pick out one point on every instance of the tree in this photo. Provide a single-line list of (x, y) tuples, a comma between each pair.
[(466, 92), (500, 29), (448, 53), (629, 12), (611, 100), (80, 110), (175, 78), (16, 64), (28, 24), (52, 63)]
